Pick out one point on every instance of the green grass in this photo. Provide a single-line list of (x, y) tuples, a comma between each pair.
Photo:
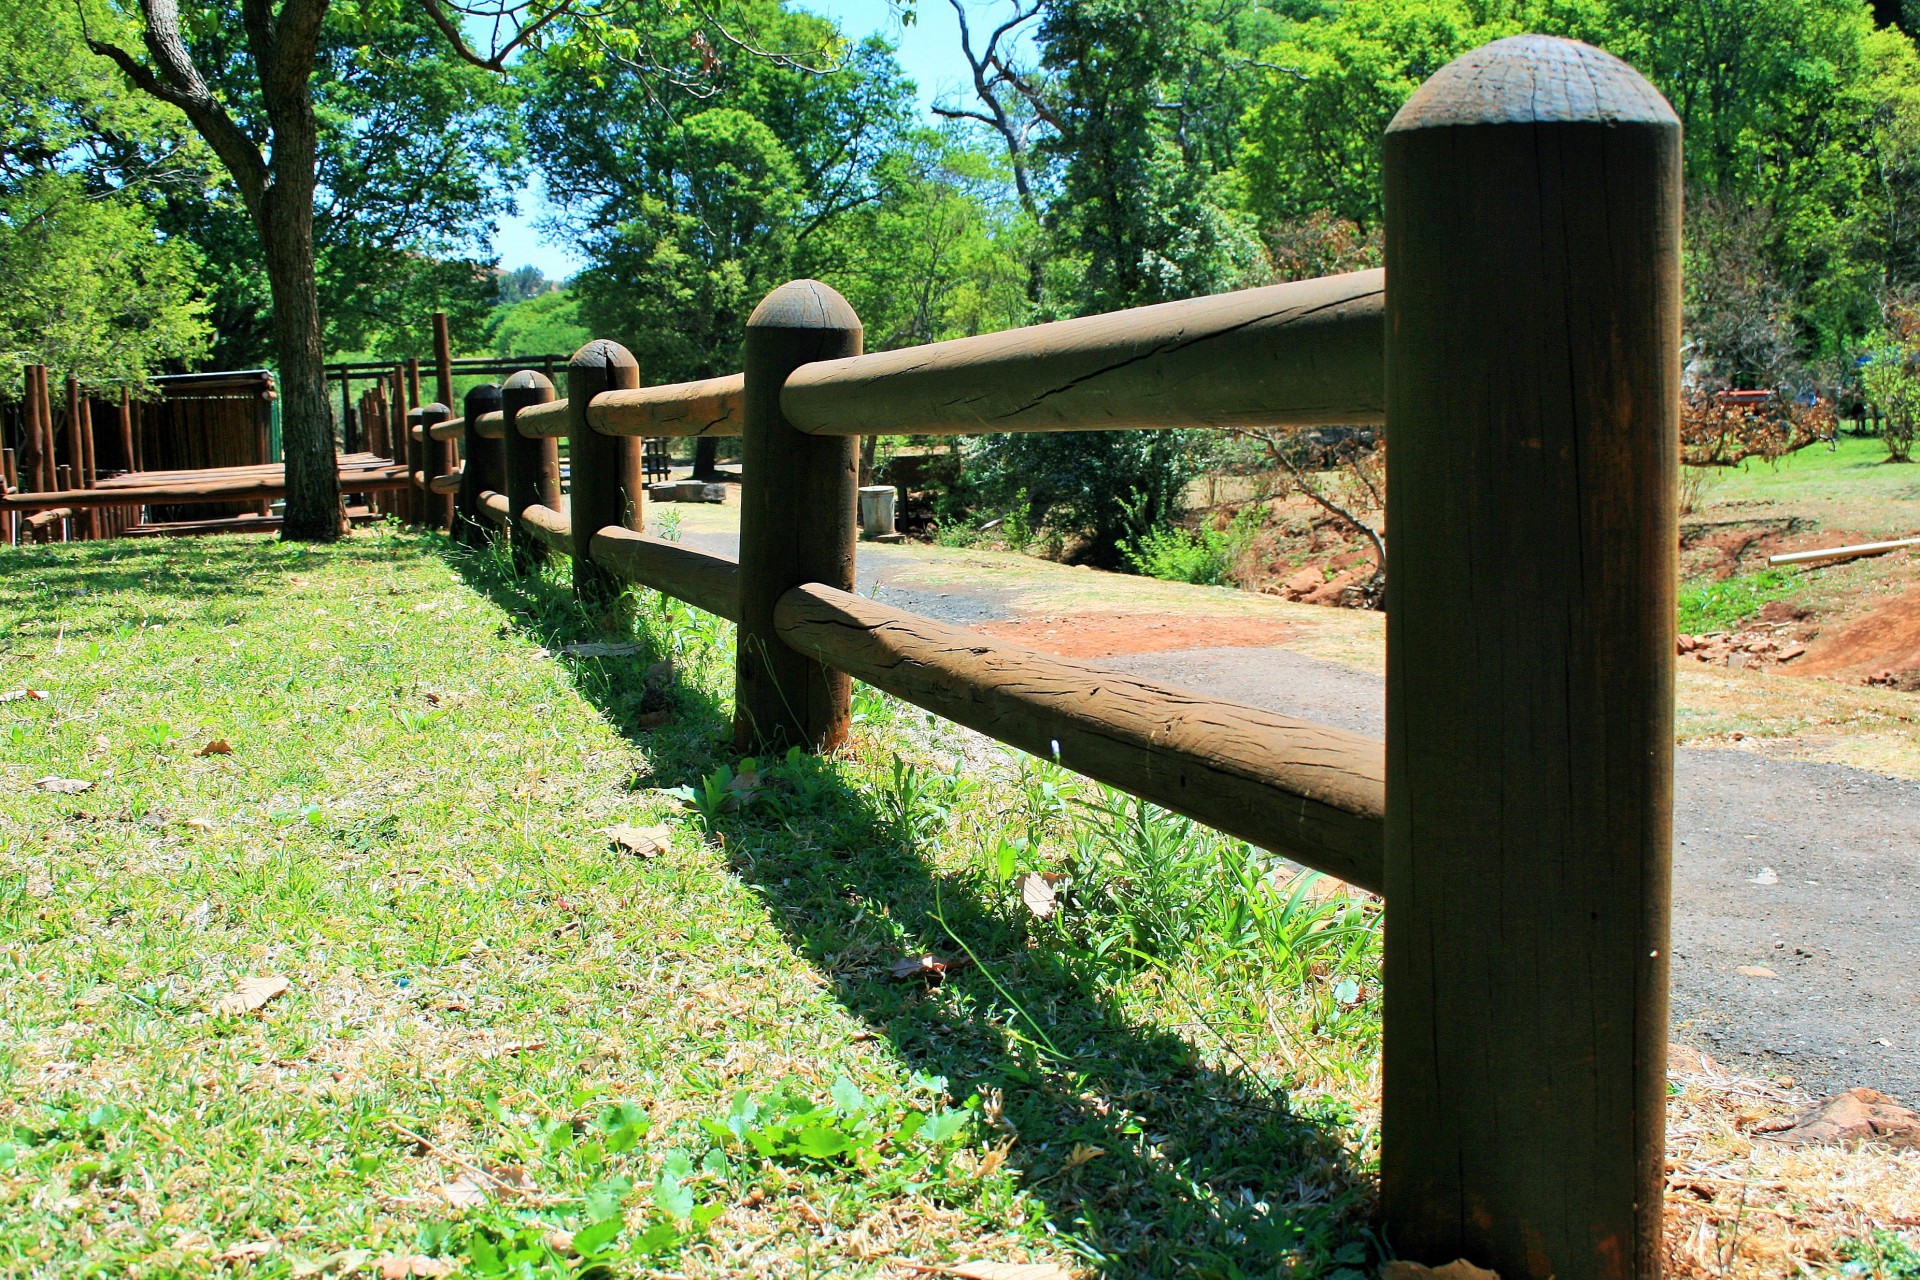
[(1851, 488), (700, 1063), (1723, 605)]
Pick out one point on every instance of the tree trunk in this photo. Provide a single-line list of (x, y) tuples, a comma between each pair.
[(313, 512)]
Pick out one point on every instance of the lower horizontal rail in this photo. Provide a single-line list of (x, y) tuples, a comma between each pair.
[(549, 526), (1312, 793), (495, 507), (242, 490), (704, 581), (448, 483)]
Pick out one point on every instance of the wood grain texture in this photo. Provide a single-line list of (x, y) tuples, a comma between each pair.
[(1313, 793), (492, 426), (797, 524), (415, 500), (549, 527), (447, 484), (484, 468), (1305, 353), (708, 407), (544, 421), (438, 458), (1533, 270), (704, 581), (495, 507), (367, 480), (607, 485), (451, 429), (532, 464)]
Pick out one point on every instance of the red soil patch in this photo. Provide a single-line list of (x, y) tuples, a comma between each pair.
[(1104, 635), (1886, 639)]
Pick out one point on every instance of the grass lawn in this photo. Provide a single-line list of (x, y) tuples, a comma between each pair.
[(509, 1044)]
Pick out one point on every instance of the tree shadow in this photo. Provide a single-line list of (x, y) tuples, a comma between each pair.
[(1153, 1160)]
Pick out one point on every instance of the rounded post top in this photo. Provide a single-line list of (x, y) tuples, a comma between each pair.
[(482, 399), (414, 414), (804, 304), (528, 380), (437, 411), (601, 353), (1534, 80)]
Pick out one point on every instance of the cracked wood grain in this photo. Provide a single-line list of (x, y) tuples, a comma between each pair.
[(704, 581), (1313, 793), (707, 407), (1305, 353)]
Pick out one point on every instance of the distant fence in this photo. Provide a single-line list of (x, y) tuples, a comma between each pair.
[(1522, 348)]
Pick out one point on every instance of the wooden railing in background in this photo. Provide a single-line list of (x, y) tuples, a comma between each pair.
[(1521, 347)]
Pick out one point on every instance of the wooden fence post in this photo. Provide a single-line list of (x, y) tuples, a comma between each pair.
[(1532, 357), (797, 523), (607, 485), (443, 358), (436, 460), (533, 466), (33, 447), (485, 467), (416, 458)]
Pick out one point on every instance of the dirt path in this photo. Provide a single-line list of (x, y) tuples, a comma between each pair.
[(1808, 871)]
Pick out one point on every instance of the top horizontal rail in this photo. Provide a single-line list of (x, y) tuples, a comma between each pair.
[(542, 421), (707, 407), (1309, 353), (491, 425)]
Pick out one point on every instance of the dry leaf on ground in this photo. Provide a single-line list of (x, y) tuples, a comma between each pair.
[(1458, 1269), (1756, 971), (600, 649), (31, 695), (398, 1267), (218, 747), (646, 842), (924, 966), (476, 1186), (246, 1252), (1001, 1270), (1037, 892), (1856, 1116), (64, 786), (249, 994)]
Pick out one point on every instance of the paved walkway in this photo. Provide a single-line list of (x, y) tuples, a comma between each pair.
[(1810, 871)]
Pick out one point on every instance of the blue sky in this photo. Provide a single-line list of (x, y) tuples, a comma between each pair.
[(929, 52)]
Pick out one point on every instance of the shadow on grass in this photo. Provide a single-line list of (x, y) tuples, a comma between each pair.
[(1199, 1171), (85, 589)]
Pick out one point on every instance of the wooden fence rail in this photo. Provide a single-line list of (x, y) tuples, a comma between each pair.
[(1522, 347)]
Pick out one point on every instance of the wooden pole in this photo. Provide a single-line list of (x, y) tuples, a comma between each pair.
[(532, 466), (797, 523), (93, 518), (413, 383), (126, 428), (485, 469), (416, 456), (608, 485), (33, 455), (436, 459), (443, 357), (76, 452), (1533, 333), (9, 473)]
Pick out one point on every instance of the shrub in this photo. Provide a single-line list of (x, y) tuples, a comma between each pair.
[(1109, 487), (1205, 556)]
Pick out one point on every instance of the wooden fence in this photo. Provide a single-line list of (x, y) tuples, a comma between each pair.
[(1522, 348)]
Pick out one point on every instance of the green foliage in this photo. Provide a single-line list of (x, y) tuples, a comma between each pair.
[(1205, 555), (1723, 605), (545, 324), (86, 287), (1312, 135), (1892, 384), (1108, 487), (694, 208), (1882, 1255)]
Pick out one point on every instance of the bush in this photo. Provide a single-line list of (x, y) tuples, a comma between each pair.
[(1109, 487), (1205, 556), (1720, 606)]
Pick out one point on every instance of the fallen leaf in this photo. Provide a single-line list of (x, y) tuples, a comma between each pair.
[(1757, 971), (512, 1047), (646, 842), (1002, 1270), (1037, 892), (476, 1186), (249, 994), (1458, 1269), (31, 695), (1767, 876), (198, 824), (246, 1252), (64, 786), (600, 649), (1081, 1154), (405, 1267), (468, 1191), (433, 699), (561, 1242), (993, 1159), (926, 966), (218, 747)]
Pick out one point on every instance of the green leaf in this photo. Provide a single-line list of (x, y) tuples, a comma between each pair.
[(821, 1143), (590, 1240), (673, 1199), (847, 1098)]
